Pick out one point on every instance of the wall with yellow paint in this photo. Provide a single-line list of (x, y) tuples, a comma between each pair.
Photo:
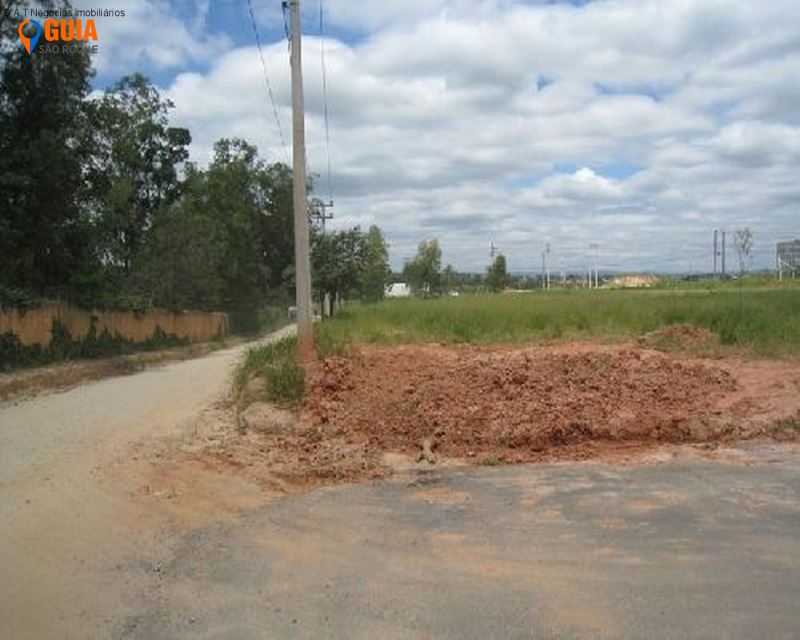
[(34, 326)]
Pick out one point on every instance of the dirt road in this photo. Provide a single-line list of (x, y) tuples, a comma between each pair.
[(92, 545), (63, 522)]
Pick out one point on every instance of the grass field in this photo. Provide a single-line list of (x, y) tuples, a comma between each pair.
[(755, 321), (759, 321)]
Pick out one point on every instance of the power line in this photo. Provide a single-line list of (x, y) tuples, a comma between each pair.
[(325, 96), (266, 79)]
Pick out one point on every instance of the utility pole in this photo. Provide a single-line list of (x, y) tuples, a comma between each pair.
[(544, 267), (547, 252), (302, 258), (723, 255), (595, 246), (716, 252), (319, 212)]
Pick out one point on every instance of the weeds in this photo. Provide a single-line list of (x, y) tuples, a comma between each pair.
[(276, 364)]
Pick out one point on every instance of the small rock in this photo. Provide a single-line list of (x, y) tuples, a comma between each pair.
[(267, 418)]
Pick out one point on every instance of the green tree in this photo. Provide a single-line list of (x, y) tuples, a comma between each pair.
[(337, 262), (134, 169), (424, 272), (375, 273), (182, 265), (44, 233), (277, 229), (211, 248), (235, 197), (497, 274)]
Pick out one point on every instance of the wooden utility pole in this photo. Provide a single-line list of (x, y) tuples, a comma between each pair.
[(302, 258)]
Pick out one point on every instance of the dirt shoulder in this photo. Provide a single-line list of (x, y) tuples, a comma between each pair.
[(28, 383)]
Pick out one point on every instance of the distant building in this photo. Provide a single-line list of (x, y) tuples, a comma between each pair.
[(789, 256), (398, 290)]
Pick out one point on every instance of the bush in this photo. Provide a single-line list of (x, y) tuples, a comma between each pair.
[(16, 298)]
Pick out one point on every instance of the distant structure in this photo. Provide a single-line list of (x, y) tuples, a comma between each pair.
[(634, 282), (398, 290), (788, 258)]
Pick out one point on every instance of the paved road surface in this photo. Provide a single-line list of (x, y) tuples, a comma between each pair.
[(686, 550), (692, 549)]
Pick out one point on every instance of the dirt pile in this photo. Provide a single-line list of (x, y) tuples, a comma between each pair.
[(517, 404)]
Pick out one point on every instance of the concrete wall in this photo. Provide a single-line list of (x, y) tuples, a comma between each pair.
[(34, 326)]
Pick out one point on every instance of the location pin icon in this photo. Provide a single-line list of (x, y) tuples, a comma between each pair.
[(29, 43)]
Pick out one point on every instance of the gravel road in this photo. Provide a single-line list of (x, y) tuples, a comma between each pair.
[(61, 524)]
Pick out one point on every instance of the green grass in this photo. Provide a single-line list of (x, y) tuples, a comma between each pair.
[(761, 321), (276, 364)]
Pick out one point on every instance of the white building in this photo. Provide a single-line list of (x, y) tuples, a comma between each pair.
[(398, 290)]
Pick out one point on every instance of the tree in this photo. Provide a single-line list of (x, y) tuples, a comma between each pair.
[(497, 275), (337, 262), (375, 272), (211, 248), (424, 272), (743, 241), (182, 266), (277, 228), (44, 233), (134, 168)]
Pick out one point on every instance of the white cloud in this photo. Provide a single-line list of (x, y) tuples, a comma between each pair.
[(455, 119), (152, 33)]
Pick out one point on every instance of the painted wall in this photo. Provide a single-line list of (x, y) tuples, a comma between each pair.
[(34, 326)]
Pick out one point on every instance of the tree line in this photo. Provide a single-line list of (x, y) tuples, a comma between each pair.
[(99, 203), (426, 277)]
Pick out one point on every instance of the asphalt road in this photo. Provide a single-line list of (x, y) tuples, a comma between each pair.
[(694, 549), (689, 549)]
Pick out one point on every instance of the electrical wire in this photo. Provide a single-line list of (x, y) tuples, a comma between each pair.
[(325, 96), (266, 80)]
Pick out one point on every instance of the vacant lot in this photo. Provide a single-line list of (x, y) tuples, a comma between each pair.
[(755, 321), (522, 377)]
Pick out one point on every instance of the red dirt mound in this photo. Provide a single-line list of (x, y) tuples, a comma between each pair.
[(519, 404)]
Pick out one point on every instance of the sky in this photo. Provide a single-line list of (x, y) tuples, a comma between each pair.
[(639, 125)]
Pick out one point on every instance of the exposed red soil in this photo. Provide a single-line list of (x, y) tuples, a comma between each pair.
[(532, 403), (494, 404)]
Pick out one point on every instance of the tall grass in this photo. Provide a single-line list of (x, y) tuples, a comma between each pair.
[(761, 321), (276, 364)]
